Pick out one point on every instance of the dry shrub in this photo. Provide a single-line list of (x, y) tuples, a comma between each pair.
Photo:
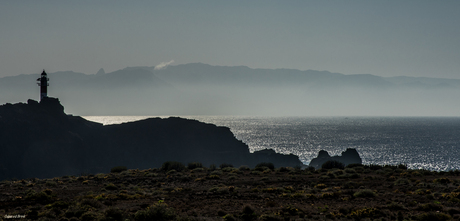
[(194, 165), (158, 212), (118, 169), (433, 216), (366, 193), (266, 164), (333, 164), (173, 165)]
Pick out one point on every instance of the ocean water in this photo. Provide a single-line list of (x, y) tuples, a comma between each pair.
[(431, 143)]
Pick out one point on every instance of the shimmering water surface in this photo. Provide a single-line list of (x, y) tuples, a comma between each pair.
[(420, 142)]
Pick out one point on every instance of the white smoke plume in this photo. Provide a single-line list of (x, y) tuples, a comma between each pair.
[(163, 65)]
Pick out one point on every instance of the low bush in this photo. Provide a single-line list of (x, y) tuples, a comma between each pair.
[(42, 197), (221, 213), (430, 207), (216, 172), (90, 202), (229, 217), (89, 216), (442, 180), (337, 172), (194, 165), (375, 167), (173, 165), (58, 205), (267, 217), (433, 216), (248, 213), (111, 186), (320, 186), (224, 165), (118, 169), (350, 185), (75, 211), (197, 170), (353, 165), (395, 206), (261, 168), (402, 166), (284, 169), (365, 193), (151, 174), (453, 211), (214, 189), (332, 164), (212, 167), (51, 183), (214, 177), (229, 169), (393, 167), (244, 168), (401, 181), (158, 212), (113, 214), (266, 164), (350, 170), (310, 168), (290, 210), (365, 213)]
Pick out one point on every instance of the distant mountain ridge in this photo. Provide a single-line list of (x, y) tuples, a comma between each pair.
[(197, 72), (198, 88)]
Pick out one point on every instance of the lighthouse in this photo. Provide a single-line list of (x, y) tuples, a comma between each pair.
[(43, 83)]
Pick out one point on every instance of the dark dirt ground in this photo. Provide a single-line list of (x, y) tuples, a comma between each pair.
[(356, 193)]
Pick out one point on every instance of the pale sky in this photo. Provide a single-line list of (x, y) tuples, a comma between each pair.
[(385, 38)]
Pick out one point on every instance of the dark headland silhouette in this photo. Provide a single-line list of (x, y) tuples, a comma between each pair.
[(38, 139)]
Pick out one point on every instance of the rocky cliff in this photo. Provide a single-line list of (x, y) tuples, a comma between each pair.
[(40, 140)]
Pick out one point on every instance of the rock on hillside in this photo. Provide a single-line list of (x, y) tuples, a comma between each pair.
[(40, 140)]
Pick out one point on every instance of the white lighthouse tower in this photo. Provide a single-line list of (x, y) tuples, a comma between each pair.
[(43, 83)]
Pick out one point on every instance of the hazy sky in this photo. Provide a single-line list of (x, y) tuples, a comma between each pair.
[(385, 38)]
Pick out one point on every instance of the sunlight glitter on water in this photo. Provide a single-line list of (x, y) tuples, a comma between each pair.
[(107, 120), (428, 143)]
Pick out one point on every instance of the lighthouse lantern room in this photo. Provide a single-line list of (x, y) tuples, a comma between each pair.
[(43, 83)]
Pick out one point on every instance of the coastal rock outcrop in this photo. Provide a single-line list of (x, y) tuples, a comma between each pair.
[(349, 156), (38, 139)]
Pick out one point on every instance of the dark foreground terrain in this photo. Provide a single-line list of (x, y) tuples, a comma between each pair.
[(174, 192)]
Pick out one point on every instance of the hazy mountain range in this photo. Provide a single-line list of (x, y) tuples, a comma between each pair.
[(201, 89)]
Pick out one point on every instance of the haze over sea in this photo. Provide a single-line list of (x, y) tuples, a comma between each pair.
[(431, 143)]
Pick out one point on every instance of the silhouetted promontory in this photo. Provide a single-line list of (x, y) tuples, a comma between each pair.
[(39, 140)]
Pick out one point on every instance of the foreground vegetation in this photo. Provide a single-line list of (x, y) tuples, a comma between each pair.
[(193, 192)]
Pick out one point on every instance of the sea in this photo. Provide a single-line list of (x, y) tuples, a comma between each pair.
[(431, 143)]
